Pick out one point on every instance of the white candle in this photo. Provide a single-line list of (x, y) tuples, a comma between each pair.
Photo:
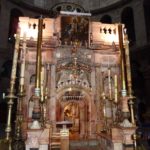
[(128, 66), (115, 88), (22, 70), (104, 111), (42, 84), (15, 57), (42, 75)]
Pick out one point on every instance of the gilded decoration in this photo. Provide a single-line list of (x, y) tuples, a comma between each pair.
[(74, 83), (74, 29)]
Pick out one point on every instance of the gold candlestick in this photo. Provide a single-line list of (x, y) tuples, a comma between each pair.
[(11, 95), (129, 81), (37, 95), (120, 34), (123, 74), (38, 56), (22, 70), (131, 103), (128, 66), (21, 92)]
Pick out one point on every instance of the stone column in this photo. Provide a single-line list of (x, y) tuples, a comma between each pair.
[(82, 120), (91, 110), (86, 113), (99, 117), (64, 137), (52, 109)]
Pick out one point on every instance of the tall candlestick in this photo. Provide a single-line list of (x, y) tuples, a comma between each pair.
[(15, 57), (21, 92), (22, 71), (122, 61), (39, 55), (11, 95), (128, 67), (115, 88), (129, 82), (36, 109)]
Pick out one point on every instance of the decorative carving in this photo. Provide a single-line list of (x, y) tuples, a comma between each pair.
[(84, 82)]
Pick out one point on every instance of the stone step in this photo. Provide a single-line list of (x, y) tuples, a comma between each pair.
[(84, 145), (55, 145), (55, 141), (55, 136)]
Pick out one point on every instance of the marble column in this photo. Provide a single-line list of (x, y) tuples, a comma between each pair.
[(52, 110), (97, 104), (82, 119), (91, 109)]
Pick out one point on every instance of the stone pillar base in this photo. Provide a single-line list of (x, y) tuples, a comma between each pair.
[(37, 138), (122, 137)]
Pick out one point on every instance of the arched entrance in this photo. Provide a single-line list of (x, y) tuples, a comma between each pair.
[(73, 105)]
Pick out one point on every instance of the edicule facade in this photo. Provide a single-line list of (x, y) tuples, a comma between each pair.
[(75, 83)]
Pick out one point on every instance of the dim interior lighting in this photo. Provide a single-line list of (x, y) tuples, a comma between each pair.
[(87, 78)]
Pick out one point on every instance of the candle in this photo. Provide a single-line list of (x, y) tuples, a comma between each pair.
[(128, 67), (42, 75), (122, 59), (42, 84), (15, 57), (115, 88), (22, 71), (109, 84)]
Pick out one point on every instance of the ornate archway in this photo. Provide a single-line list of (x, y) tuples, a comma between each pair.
[(74, 105)]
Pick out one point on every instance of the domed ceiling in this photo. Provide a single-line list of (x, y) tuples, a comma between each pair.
[(88, 5)]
